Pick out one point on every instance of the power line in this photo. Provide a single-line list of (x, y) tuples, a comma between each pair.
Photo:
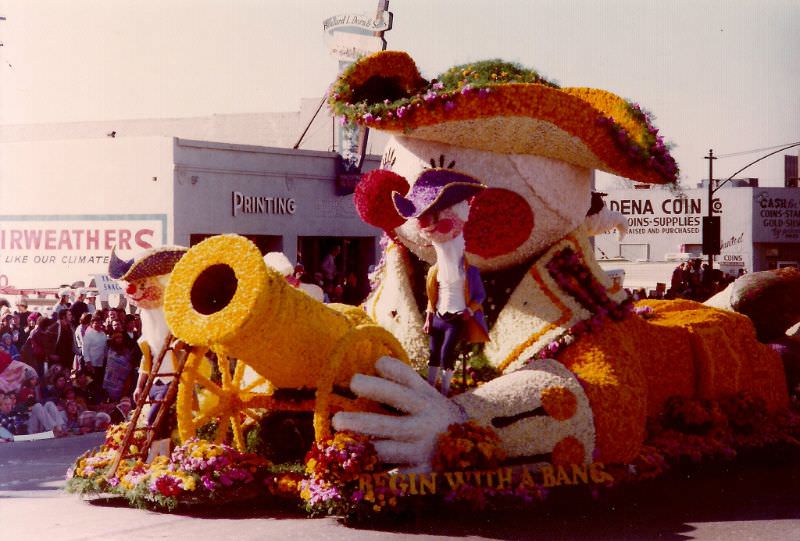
[(719, 185), (743, 152)]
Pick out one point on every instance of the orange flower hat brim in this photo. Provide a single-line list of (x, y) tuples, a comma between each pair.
[(500, 107)]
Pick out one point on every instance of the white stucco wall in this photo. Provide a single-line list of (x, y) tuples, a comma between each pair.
[(65, 203)]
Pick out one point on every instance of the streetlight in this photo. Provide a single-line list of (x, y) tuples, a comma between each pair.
[(711, 223)]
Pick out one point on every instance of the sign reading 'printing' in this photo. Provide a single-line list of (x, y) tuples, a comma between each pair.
[(259, 204)]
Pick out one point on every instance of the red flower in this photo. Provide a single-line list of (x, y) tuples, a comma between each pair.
[(168, 485), (499, 222), (373, 199)]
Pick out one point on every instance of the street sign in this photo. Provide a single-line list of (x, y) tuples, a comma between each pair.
[(381, 23)]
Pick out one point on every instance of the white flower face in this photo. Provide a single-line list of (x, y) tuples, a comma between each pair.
[(531, 201), (444, 225), (147, 293)]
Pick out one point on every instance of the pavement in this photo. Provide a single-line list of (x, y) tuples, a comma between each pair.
[(759, 501)]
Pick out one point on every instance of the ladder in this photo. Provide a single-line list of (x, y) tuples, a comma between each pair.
[(180, 351)]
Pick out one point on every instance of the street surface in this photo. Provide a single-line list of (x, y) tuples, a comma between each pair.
[(760, 503)]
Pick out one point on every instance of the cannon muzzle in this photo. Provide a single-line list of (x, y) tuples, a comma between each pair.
[(221, 295)]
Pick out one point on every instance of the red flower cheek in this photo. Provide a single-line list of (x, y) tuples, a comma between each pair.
[(499, 222), (373, 198)]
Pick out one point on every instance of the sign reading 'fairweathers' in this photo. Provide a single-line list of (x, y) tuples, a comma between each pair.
[(44, 251)]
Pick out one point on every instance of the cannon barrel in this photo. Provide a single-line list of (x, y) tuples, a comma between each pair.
[(222, 295)]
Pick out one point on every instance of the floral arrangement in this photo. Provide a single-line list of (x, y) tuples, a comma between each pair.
[(385, 91), (332, 469), (115, 434), (692, 432), (196, 472), (467, 446), (374, 202)]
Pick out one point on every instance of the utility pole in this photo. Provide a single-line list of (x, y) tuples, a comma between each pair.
[(708, 223), (711, 223)]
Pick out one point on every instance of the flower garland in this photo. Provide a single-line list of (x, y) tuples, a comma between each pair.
[(467, 445), (575, 278)]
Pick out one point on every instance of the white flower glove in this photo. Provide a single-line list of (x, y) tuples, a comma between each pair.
[(407, 439), (534, 411)]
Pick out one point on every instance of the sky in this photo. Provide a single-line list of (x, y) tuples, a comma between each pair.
[(721, 75)]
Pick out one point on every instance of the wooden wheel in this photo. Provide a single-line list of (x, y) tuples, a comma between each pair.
[(236, 396)]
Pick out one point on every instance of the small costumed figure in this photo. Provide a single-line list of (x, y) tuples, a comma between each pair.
[(439, 202), (147, 276)]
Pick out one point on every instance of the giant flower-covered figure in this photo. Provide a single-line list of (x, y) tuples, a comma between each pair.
[(581, 371)]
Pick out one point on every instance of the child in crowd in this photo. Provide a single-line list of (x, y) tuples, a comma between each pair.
[(79, 420), (57, 391), (7, 345), (29, 393), (38, 418)]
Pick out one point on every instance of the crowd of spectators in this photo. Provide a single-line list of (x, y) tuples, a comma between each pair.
[(692, 280), (336, 286), (71, 372), (696, 281)]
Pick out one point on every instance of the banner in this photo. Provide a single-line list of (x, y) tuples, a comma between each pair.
[(50, 250), (107, 285)]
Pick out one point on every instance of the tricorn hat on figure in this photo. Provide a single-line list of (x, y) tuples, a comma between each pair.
[(436, 189), (153, 262), (503, 108)]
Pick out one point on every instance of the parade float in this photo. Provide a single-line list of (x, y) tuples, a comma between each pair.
[(577, 388)]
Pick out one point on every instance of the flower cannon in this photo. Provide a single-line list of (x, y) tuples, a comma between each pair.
[(222, 297)]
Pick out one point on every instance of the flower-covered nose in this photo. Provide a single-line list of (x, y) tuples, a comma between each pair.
[(373, 199)]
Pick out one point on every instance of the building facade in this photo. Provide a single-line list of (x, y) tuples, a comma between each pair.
[(760, 227), (64, 204)]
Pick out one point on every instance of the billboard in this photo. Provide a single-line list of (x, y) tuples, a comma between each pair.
[(40, 251), (776, 215), (668, 226)]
